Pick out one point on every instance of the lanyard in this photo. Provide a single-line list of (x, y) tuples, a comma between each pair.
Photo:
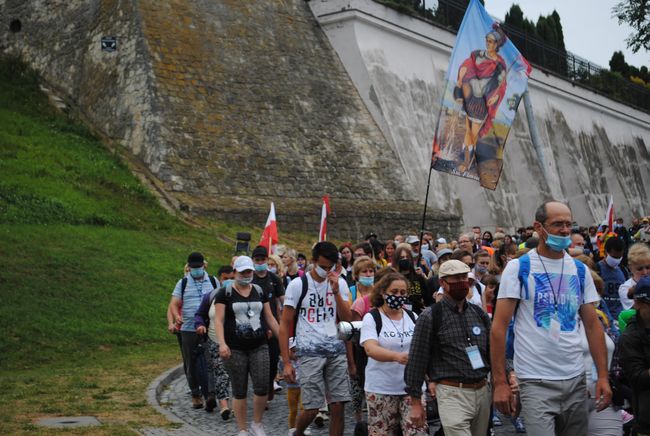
[(401, 337), (199, 287), (462, 317), (559, 287)]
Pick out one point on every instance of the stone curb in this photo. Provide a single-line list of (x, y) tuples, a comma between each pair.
[(157, 386)]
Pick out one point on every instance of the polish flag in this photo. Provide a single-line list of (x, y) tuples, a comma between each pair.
[(270, 235), (322, 236), (609, 216)]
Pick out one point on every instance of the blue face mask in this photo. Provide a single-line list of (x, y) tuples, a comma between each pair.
[(261, 267), (228, 282), (367, 281), (197, 273), (557, 243)]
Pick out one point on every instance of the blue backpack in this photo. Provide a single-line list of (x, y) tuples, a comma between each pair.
[(524, 272)]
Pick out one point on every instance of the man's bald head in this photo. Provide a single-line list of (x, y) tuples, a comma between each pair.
[(551, 208)]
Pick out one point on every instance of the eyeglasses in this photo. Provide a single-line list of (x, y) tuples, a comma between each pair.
[(559, 225)]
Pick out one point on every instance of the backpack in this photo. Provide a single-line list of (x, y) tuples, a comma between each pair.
[(524, 272), (305, 287), (377, 317), (213, 282)]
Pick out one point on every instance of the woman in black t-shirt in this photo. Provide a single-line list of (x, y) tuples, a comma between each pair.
[(242, 318)]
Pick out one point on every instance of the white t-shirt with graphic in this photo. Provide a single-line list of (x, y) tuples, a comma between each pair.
[(537, 353), (316, 333), (387, 377)]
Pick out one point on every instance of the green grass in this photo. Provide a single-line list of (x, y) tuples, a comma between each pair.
[(89, 260)]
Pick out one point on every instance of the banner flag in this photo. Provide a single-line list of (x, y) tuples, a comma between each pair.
[(486, 78), (322, 235), (270, 234), (609, 216)]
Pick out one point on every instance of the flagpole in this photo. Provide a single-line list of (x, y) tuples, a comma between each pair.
[(424, 215)]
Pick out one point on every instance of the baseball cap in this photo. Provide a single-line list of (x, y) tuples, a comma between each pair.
[(441, 241), (452, 267), (412, 239), (260, 251), (243, 263), (642, 289), (443, 252), (195, 260)]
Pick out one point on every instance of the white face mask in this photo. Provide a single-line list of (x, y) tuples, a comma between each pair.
[(612, 261), (322, 273)]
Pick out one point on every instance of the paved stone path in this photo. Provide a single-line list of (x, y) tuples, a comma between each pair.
[(176, 399)]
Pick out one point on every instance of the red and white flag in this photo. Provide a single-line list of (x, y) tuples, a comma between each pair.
[(322, 236), (609, 216), (270, 235)]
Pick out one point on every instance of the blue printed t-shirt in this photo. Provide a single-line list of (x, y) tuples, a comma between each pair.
[(613, 278), (316, 334), (537, 354), (194, 292)]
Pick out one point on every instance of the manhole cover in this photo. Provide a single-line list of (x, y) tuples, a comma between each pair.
[(69, 421)]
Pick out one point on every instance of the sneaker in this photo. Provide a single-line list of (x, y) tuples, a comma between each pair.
[(243, 433), (307, 432), (627, 417), (276, 387), (291, 431), (197, 402), (210, 404), (519, 425), (319, 421), (257, 429), (496, 421), (225, 414)]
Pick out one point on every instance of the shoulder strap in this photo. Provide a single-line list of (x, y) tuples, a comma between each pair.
[(305, 287), (259, 290), (524, 272), (183, 286), (582, 270), (213, 295), (436, 322), (353, 291), (213, 281), (377, 317), (411, 315)]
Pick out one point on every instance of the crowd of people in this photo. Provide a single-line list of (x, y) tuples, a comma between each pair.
[(421, 335)]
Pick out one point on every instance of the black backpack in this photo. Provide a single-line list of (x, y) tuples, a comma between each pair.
[(213, 282), (377, 317), (305, 287)]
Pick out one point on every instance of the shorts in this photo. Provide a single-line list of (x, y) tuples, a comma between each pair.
[(323, 378)]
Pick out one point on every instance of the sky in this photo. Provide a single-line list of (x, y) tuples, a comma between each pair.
[(590, 32)]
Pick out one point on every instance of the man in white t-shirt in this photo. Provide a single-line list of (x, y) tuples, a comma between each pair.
[(549, 303), (320, 354)]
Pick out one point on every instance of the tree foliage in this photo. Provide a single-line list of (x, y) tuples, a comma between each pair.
[(635, 13)]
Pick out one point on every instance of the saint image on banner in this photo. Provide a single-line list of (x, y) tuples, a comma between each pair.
[(485, 81)]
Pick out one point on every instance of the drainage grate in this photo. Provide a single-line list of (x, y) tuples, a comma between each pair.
[(69, 421)]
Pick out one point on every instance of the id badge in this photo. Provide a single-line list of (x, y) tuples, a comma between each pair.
[(554, 331), (474, 356)]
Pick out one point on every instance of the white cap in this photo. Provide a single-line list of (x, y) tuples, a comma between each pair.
[(243, 263), (471, 276), (412, 239), (442, 241), (452, 267)]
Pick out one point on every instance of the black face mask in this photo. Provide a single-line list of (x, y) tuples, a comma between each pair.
[(404, 264)]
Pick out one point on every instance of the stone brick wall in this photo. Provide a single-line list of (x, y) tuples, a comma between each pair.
[(229, 104)]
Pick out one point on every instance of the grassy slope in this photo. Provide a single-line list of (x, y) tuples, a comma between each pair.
[(88, 262)]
